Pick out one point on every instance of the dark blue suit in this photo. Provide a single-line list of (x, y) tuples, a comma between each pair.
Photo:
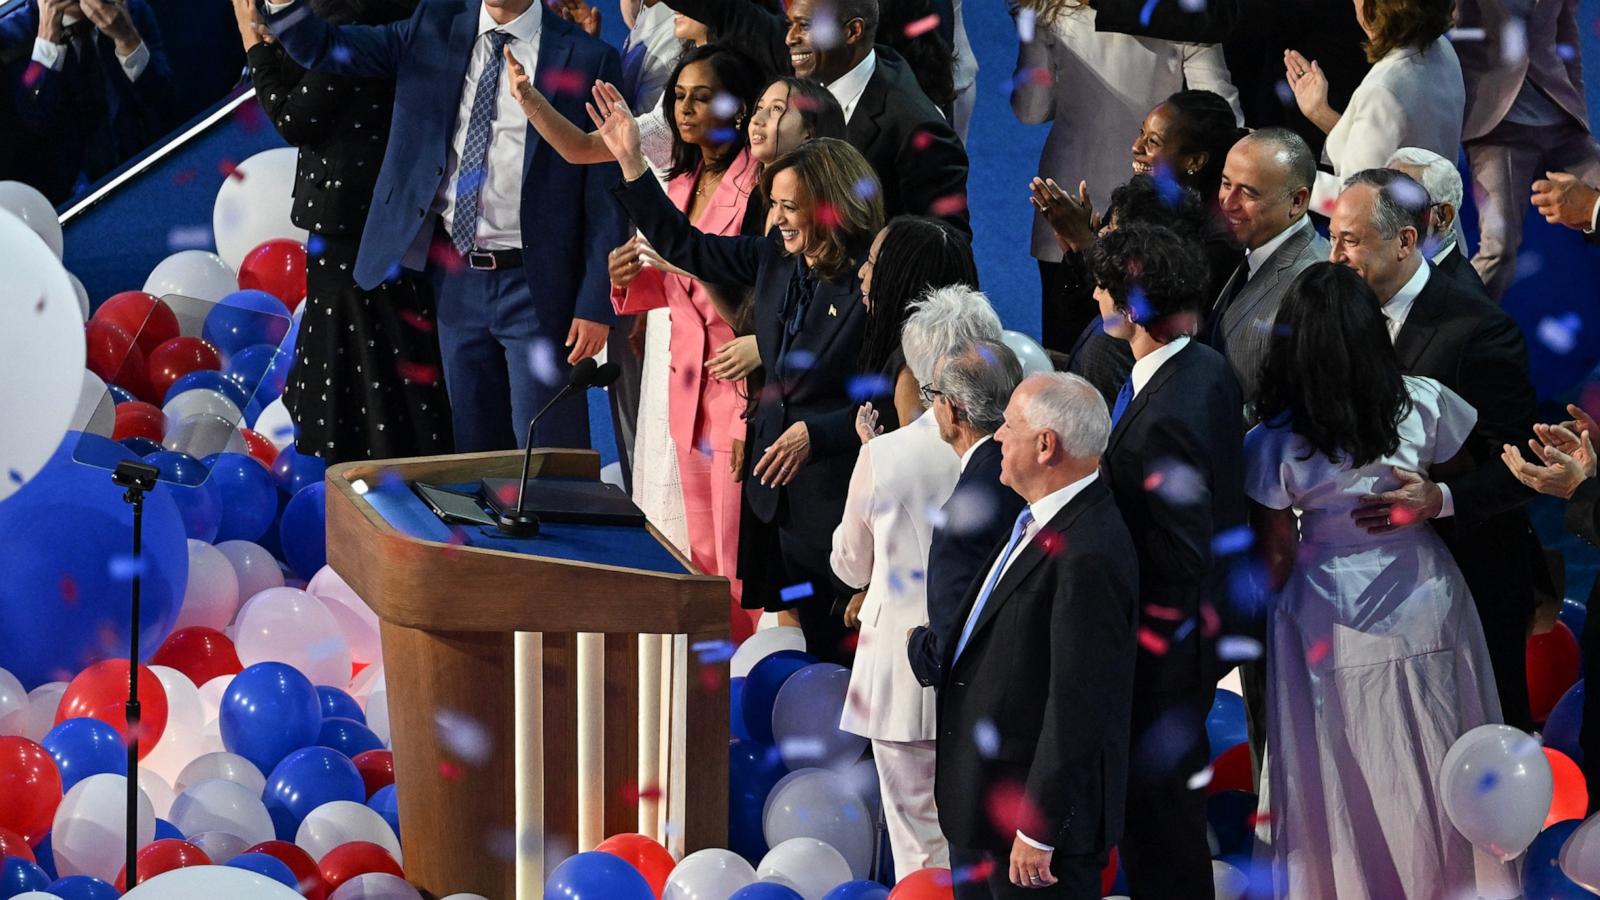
[(977, 517), (501, 332)]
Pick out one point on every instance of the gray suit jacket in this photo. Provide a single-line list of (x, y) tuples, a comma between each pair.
[(1243, 331), (1494, 77)]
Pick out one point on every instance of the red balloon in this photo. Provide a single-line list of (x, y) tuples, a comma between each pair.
[(925, 884), (101, 691), (376, 768), (1553, 662), (114, 356), (136, 418), (1230, 771), (145, 316), (277, 267), (260, 449), (1108, 875), (311, 886), (163, 856), (1571, 797), (177, 358), (31, 786), (12, 844), (644, 854), (353, 858), (198, 652)]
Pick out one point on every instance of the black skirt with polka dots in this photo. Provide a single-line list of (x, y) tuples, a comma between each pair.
[(367, 381)]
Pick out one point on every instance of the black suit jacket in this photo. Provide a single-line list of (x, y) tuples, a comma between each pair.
[(979, 514), (1040, 698), (1456, 265), (1176, 464), (812, 384), (918, 157)]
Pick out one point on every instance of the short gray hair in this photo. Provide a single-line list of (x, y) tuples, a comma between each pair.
[(943, 318), (1440, 178), (1401, 201), (1072, 408), (1292, 152), (977, 377)]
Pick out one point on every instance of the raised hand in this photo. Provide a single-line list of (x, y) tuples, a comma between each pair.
[(1072, 219), (1310, 88), (580, 14), (112, 19), (615, 124)]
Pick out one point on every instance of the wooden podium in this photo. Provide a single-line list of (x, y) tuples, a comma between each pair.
[(451, 616)]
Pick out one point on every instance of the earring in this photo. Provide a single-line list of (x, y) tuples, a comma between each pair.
[(1192, 171)]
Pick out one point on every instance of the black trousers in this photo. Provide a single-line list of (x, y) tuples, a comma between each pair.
[(1164, 849), (981, 875), (784, 567)]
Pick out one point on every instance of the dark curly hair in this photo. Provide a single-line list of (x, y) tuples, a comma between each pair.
[(917, 254), (1332, 369), (931, 57), (1153, 272), (1142, 199), (739, 77), (1206, 124), (1405, 23)]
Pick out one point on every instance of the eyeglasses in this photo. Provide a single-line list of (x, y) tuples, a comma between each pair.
[(929, 393)]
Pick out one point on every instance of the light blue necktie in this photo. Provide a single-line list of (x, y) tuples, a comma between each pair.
[(1023, 520), (475, 153), (1124, 397)]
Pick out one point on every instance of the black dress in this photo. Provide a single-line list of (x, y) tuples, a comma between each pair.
[(367, 381)]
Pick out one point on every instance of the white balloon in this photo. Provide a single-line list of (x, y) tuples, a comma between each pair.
[(1033, 358), (43, 701), (36, 895), (211, 697), (218, 805), (256, 569), (1227, 882), (83, 295), (178, 744), (42, 352), (377, 710), (157, 789), (808, 865), (370, 679), (340, 821), (188, 276), (211, 883), (223, 766), (356, 619), (712, 874), (1496, 786), (466, 897), (220, 846), (275, 424), (376, 886), (290, 626), (201, 402), (14, 705), (211, 596), (89, 832), (1580, 855), (33, 209), (762, 644), (821, 805), (96, 412), (254, 205)]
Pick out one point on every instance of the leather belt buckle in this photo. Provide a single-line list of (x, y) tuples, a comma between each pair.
[(482, 259)]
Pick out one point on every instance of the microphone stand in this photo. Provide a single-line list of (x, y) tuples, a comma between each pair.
[(137, 478), (518, 522)]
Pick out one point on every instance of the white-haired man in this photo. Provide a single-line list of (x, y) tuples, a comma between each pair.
[(1440, 178)]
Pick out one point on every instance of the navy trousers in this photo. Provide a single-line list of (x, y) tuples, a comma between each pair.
[(503, 360)]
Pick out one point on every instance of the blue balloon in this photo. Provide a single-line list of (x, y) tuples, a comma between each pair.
[(269, 711), (46, 857), (211, 380), (18, 876), (347, 736), (385, 802), (259, 373), (1231, 816), (82, 887), (262, 864), (68, 567), (296, 471), (753, 769), (736, 708), (338, 704), (767, 890), (857, 890), (306, 779), (1225, 724), (761, 689), (1542, 878), (1574, 614), (199, 500), (120, 394), (83, 747), (1561, 729), (165, 830), (141, 446), (303, 531), (596, 876), (244, 318), (249, 496)]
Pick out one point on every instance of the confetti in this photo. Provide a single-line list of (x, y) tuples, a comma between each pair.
[(862, 388), (1317, 652), (1152, 643), (229, 169), (565, 81), (1145, 13), (1560, 334), (463, 736), (921, 140), (1234, 540), (987, 738), (1027, 19), (1238, 648), (794, 593), (948, 205), (713, 651), (1200, 779), (725, 105), (922, 26), (125, 567)]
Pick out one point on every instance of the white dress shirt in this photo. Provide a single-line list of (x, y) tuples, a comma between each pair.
[(54, 56), (849, 87), (1258, 257), (1145, 368), (500, 202), (1395, 311), (967, 456)]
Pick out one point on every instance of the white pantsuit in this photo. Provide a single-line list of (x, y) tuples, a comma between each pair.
[(900, 479)]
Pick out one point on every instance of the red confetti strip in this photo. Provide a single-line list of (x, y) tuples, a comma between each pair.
[(230, 169), (709, 679), (1399, 515), (418, 373), (1166, 613), (922, 26), (564, 81), (1317, 652), (69, 590), (921, 140), (827, 216), (417, 320), (449, 771), (948, 205), (1152, 642), (1210, 622), (1153, 480), (184, 177)]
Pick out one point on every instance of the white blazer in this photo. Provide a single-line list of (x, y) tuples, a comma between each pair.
[(1095, 89), (1410, 98), (900, 480)]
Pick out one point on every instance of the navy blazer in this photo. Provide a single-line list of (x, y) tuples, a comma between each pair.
[(569, 221), (979, 514), (63, 134)]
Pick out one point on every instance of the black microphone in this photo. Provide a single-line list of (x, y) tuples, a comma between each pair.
[(605, 375), (585, 374)]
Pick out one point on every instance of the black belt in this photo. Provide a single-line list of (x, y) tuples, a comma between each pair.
[(489, 260)]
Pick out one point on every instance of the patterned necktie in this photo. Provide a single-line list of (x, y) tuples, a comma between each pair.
[(1124, 397), (1017, 531), (475, 154)]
